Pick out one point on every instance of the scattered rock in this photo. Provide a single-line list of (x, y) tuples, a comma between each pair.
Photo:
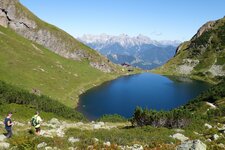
[(221, 129), (72, 148), (209, 140), (79, 123), (101, 123), (101, 66), (211, 105), (54, 121), (192, 145), (73, 140), (95, 140), (2, 138), (50, 148), (208, 125), (137, 147), (178, 130), (4, 145), (107, 144), (19, 124), (180, 137), (221, 145), (41, 145), (215, 137), (96, 126), (196, 133)]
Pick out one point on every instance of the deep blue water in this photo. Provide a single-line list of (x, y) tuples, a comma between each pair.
[(153, 91)]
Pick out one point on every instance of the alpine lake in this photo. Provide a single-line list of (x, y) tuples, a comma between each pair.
[(121, 96)]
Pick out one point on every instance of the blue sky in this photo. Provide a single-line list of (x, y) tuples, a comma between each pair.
[(158, 19)]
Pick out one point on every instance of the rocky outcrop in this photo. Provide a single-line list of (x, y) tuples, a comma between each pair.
[(201, 57), (187, 66), (206, 27), (22, 21), (101, 66)]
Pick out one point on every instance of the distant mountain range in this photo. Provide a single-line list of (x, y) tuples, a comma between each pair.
[(139, 51)]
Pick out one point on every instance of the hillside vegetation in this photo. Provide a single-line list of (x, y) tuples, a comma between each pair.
[(31, 66)]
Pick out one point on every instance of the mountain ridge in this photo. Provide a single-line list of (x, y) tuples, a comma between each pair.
[(125, 40), (17, 17), (202, 57), (139, 51)]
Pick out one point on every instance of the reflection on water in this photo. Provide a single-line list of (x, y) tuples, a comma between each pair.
[(152, 91)]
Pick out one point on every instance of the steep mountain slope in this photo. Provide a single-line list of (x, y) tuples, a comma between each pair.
[(139, 51), (31, 66), (17, 17), (203, 56)]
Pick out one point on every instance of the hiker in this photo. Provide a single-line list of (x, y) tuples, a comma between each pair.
[(8, 125), (36, 122)]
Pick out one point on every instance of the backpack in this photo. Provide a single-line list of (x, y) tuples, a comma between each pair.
[(34, 121)]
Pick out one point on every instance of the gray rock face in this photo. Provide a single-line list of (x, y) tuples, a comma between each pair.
[(56, 40), (101, 66), (206, 27), (3, 19), (192, 145)]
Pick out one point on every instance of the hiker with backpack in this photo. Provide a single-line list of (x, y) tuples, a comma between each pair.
[(8, 125), (36, 123)]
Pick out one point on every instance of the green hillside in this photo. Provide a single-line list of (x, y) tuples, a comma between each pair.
[(31, 66), (21, 20), (202, 57)]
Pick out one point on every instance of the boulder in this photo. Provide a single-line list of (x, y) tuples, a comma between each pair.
[(96, 126), (41, 145), (208, 125), (54, 121), (101, 123), (137, 147), (73, 140), (215, 137), (4, 145), (107, 144), (221, 145), (180, 137), (95, 140), (192, 145), (72, 148), (2, 138)]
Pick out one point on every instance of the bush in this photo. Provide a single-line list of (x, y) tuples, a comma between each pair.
[(177, 118), (112, 118)]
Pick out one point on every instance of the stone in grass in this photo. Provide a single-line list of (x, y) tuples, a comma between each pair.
[(137, 147), (4, 145), (208, 125), (180, 137), (215, 137), (54, 121), (41, 145), (73, 140), (192, 145), (2, 138), (107, 144), (95, 140)]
